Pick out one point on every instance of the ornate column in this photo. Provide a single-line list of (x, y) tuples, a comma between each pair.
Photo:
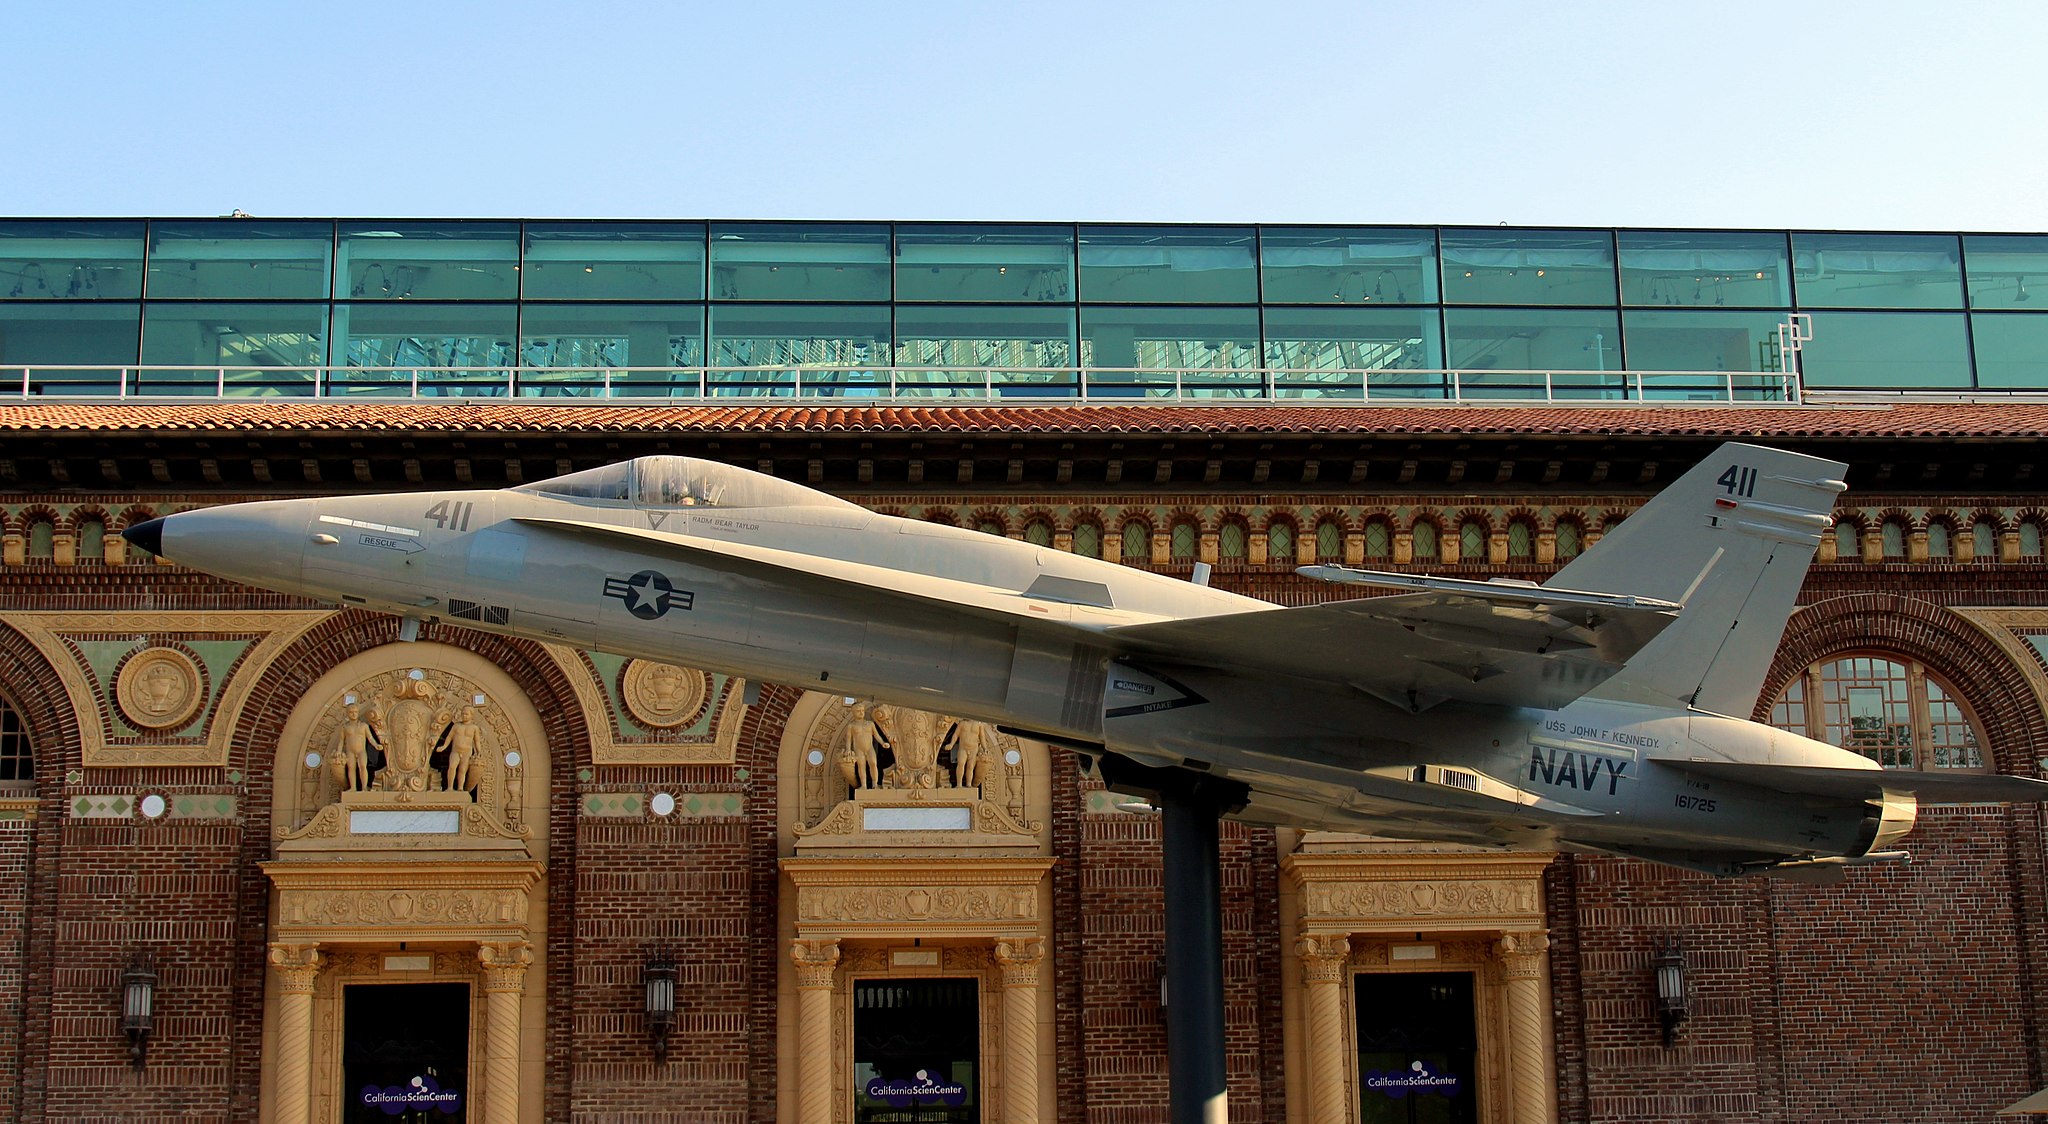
[(504, 967), (297, 965), (1020, 960), (1325, 961), (816, 962), (1523, 957)]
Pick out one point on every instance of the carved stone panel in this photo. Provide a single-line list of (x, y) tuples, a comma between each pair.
[(894, 776), (395, 739)]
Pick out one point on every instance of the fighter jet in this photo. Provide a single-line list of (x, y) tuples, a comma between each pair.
[(1601, 710)]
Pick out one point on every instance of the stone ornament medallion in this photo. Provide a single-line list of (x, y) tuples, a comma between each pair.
[(663, 695), (158, 689)]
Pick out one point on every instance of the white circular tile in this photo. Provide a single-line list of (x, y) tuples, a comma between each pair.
[(153, 805), (662, 803)]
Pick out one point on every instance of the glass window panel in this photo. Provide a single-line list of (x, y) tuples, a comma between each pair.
[(1001, 264), (1471, 543), (832, 345), (1423, 541), (635, 349), (1892, 539), (950, 345), (1379, 540), (1937, 540), (1706, 340), (1705, 269), (241, 259), (1334, 265), (67, 334), (1184, 542), (1510, 340), (1168, 265), (1387, 341), (2030, 540), (619, 261), (1884, 349), (1521, 545), (251, 348), (1999, 266), (1848, 546), (1568, 540), (393, 342), (1087, 540), (1280, 543), (1878, 270), (1137, 542), (2012, 350), (1528, 267), (1949, 734), (807, 262), (1984, 542), (70, 260), (429, 261), (1038, 533), (1170, 338), (1230, 542), (1209, 350), (1329, 541)]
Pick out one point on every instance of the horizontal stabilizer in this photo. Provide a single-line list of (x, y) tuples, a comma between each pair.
[(1816, 780)]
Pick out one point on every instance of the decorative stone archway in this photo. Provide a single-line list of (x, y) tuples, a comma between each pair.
[(1359, 906), (913, 845), (409, 822)]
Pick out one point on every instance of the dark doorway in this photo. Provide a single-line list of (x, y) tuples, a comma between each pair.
[(405, 1053), (916, 1052), (1418, 1048)]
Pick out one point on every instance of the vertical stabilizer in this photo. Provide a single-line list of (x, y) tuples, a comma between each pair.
[(1731, 540)]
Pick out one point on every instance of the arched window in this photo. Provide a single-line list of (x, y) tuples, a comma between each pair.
[(92, 540), (1894, 712), (1893, 537), (1038, 532), (1230, 542), (989, 527), (1984, 540), (1184, 541), (1521, 544), (1569, 541), (1937, 540), (1847, 544), (1087, 540), (1379, 540), (17, 763), (1280, 542), (1329, 541), (42, 539), (1137, 544), (1425, 541), (1472, 541), (2030, 540)]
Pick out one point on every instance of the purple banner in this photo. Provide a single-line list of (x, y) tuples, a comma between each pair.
[(903, 1092), (419, 1093), (1417, 1078)]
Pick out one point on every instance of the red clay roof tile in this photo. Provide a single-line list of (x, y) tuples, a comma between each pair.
[(2004, 420)]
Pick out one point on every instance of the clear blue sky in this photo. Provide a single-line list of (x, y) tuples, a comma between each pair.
[(1876, 114)]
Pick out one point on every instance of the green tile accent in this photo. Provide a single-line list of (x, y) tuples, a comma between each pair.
[(203, 806), (102, 807), (711, 805), (614, 805)]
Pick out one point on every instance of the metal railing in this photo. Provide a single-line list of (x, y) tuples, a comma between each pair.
[(854, 385)]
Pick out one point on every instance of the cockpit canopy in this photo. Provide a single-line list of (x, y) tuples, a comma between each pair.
[(670, 481)]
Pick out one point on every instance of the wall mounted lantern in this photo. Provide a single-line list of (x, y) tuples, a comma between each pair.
[(658, 979), (1674, 1003), (138, 1006)]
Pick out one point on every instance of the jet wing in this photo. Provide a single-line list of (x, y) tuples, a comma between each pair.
[(1479, 642), (1816, 780)]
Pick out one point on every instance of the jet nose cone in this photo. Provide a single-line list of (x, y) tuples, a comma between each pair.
[(149, 536)]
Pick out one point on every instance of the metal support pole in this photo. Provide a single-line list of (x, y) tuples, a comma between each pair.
[(1189, 825), (1191, 803)]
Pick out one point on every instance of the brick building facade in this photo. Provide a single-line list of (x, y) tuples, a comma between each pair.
[(169, 808)]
